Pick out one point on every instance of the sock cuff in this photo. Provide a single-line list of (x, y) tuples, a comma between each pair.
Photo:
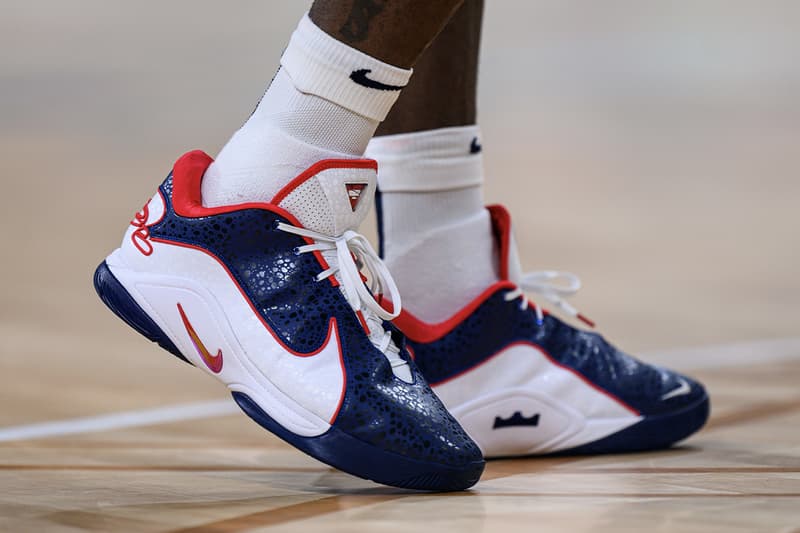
[(319, 64), (433, 160)]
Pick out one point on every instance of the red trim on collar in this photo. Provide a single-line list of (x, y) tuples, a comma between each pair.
[(422, 332), (318, 167), (501, 226), (187, 201)]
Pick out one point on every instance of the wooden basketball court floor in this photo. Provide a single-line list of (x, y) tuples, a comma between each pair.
[(665, 174), (221, 473)]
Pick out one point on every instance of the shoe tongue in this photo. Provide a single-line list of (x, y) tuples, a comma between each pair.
[(332, 196), (510, 266)]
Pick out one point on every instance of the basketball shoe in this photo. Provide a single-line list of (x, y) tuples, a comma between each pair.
[(521, 382), (269, 299)]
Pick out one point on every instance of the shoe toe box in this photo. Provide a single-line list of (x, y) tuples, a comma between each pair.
[(657, 391), (405, 418)]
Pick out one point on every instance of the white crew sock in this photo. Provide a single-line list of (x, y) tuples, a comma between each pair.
[(311, 111), (436, 233)]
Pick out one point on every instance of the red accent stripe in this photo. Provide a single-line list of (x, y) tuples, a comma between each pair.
[(501, 225), (553, 361), (585, 320), (364, 325), (422, 332), (344, 372), (187, 175)]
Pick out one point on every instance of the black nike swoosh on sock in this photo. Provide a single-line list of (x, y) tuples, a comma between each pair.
[(360, 77), (474, 147)]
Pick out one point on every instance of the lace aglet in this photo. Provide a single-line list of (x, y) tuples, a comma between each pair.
[(539, 316)]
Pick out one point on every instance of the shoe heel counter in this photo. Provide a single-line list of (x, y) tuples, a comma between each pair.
[(122, 304)]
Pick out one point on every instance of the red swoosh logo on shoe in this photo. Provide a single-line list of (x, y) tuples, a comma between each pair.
[(213, 362)]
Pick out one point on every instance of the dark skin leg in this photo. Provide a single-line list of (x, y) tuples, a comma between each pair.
[(393, 31), (442, 92)]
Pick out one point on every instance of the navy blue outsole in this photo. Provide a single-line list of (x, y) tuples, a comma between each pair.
[(116, 298), (333, 447), (357, 457), (652, 433)]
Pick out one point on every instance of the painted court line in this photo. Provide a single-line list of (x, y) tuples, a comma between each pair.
[(730, 355), (121, 420)]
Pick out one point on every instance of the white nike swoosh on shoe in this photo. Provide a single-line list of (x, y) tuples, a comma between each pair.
[(683, 388)]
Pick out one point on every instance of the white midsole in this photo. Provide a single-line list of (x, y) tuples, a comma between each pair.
[(278, 381)]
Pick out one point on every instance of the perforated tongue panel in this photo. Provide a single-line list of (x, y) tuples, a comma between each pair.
[(332, 196)]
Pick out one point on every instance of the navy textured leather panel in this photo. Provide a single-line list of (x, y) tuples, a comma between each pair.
[(498, 323)]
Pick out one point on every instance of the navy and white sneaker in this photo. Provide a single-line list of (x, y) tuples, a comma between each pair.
[(522, 382), (269, 299)]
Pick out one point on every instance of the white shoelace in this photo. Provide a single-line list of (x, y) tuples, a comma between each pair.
[(346, 255), (552, 285)]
